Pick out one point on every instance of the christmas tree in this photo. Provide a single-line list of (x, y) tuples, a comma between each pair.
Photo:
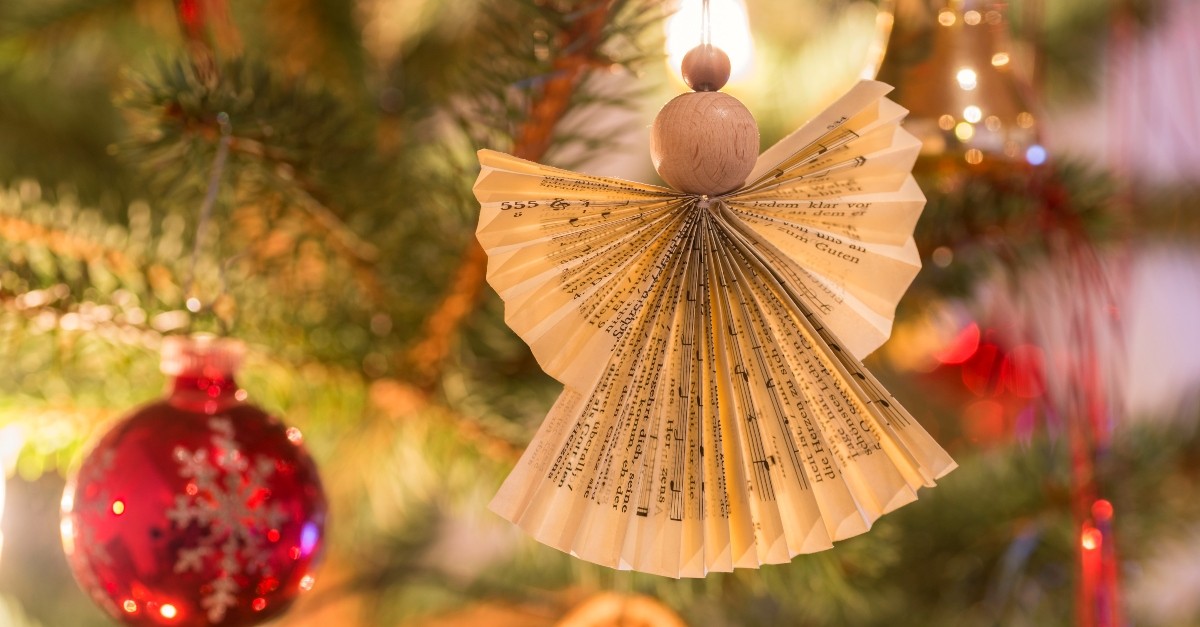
[(298, 175)]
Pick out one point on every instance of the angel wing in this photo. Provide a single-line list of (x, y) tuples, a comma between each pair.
[(715, 412)]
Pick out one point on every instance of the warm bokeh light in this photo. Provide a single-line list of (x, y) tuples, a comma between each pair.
[(168, 611), (129, 605), (66, 526), (942, 256), (962, 347), (967, 79), (118, 507), (964, 131), (1091, 538), (972, 114), (730, 32)]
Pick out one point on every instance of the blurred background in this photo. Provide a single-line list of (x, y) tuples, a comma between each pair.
[(1050, 342)]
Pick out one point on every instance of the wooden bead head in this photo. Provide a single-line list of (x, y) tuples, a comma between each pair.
[(705, 68), (704, 143)]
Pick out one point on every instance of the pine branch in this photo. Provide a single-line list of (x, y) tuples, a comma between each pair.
[(318, 36), (577, 50), (63, 243), (1003, 215), (177, 111)]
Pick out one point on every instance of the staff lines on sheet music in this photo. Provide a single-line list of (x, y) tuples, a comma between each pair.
[(710, 419), (743, 401), (851, 369), (567, 222), (776, 375), (632, 373), (796, 182), (681, 277), (824, 403), (585, 183), (598, 296), (834, 139), (584, 246), (797, 348), (688, 388)]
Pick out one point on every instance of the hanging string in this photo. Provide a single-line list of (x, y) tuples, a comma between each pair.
[(193, 303), (705, 24)]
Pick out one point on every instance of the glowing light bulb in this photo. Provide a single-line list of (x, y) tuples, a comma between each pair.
[(168, 611), (730, 32), (972, 114)]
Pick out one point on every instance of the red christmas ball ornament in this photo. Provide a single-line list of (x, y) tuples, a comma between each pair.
[(197, 509)]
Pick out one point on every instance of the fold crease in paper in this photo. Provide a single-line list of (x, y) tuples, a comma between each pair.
[(715, 411)]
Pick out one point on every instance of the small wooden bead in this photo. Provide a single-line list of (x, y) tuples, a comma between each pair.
[(704, 143), (705, 68)]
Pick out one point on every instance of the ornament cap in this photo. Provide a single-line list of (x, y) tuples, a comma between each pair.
[(201, 354)]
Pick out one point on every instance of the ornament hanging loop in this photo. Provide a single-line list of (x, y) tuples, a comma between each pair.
[(705, 67), (192, 301)]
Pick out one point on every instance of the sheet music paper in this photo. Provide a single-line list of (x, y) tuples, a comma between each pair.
[(715, 414)]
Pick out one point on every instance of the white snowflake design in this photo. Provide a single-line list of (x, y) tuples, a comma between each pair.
[(221, 496)]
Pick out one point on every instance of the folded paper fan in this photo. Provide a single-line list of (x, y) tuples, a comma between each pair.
[(715, 412)]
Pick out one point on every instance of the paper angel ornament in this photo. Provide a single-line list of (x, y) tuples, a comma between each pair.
[(715, 414)]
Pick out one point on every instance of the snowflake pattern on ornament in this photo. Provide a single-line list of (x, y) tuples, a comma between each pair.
[(227, 494)]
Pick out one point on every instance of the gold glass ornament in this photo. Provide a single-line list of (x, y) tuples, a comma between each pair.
[(966, 100)]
